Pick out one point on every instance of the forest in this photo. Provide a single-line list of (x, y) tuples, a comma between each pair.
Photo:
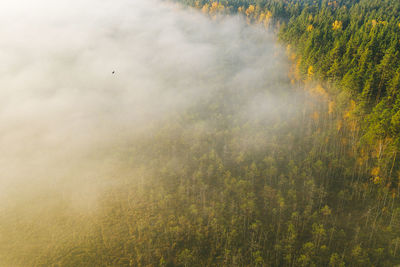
[(281, 150)]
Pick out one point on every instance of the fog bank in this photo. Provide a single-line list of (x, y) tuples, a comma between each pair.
[(63, 111)]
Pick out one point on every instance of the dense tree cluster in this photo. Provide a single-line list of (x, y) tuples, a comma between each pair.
[(214, 187), (350, 46), (314, 186)]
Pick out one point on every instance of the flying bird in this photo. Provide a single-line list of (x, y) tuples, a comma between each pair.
[(113, 72)]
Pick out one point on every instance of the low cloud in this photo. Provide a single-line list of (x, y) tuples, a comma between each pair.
[(65, 115)]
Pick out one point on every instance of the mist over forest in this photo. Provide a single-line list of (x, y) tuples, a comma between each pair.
[(64, 112), (187, 133)]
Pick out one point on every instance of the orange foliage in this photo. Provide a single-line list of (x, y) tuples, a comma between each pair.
[(331, 107), (205, 8), (315, 116)]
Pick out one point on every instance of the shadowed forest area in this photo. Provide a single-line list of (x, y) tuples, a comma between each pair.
[(232, 133)]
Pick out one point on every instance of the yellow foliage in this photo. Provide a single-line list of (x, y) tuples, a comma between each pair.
[(337, 25), (240, 9), (216, 7), (361, 161), (375, 171), (250, 10), (268, 16), (261, 18), (377, 180), (310, 71), (339, 125), (375, 22), (352, 105), (288, 49), (351, 109), (295, 68), (310, 28)]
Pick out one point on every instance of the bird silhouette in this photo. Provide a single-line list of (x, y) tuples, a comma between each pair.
[(113, 72)]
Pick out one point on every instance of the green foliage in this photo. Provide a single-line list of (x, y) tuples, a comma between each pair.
[(295, 191)]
